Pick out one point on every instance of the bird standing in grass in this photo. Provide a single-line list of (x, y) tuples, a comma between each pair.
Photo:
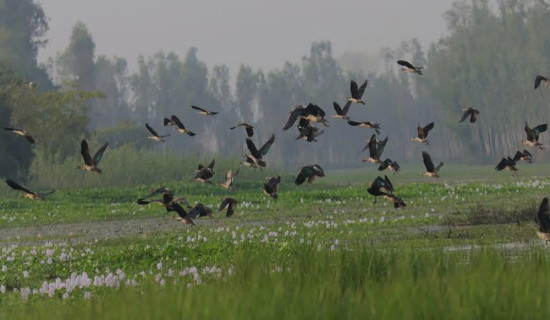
[(431, 171), (21, 132), (357, 92), (28, 193), (90, 164)]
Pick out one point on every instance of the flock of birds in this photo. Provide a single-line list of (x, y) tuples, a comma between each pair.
[(306, 117)]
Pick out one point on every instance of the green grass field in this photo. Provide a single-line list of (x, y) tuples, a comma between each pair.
[(463, 248)]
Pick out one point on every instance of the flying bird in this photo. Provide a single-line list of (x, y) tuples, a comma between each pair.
[(272, 186), (21, 132), (523, 156), (543, 218), (90, 164), (389, 164), (469, 112), (307, 131), (312, 112), (357, 92), (204, 112), (203, 174), (508, 164), (230, 203), (229, 178), (155, 136), (533, 135), (183, 216), (384, 188), (180, 127), (376, 147), (309, 173), (431, 171), (365, 124), (540, 79), (200, 210), (28, 193), (408, 67), (249, 129), (422, 133), (341, 113), (257, 155)]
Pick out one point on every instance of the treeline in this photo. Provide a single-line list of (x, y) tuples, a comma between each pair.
[(489, 59)]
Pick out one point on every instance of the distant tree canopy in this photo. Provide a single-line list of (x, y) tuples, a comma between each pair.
[(488, 59)]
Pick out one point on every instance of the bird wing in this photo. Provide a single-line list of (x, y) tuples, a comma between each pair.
[(29, 138), (438, 167), (153, 132), (224, 203), (294, 114), (45, 194), (354, 90), (16, 186), (315, 110), (419, 131), (249, 131), (380, 144), (99, 154), (428, 161), (265, 148), (473, 115), (405, 64), (177, 122), (252, 148), (211, 165), (372, 146), (338, 109), (200, 109), (518, 156), (531, 136), (539, 129), (301, 177), (167, 122), (538, 80), (231, 208), (179, 209), (502, 164), (346, 107), (388, 183), (353, 123), (362, 88), (543, 217), (85, 153), (427, 129), (465, 114)]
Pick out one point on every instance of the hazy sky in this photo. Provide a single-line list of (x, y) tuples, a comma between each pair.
[(260, 33)]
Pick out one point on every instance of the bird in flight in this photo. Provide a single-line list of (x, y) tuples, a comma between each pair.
[(341, 113), (204, 112), (539, 79), (309, 173), (249, 129), (257, 155), (533, 135), (272, 186), (155, 136), (469, 112), (28, 193), (179, 126), (365, 124), (422, 133), (205, 173), (357, 92), (90, 164), (408, 67), (230, 203), (508, 164), (431, 171), (21, 132)]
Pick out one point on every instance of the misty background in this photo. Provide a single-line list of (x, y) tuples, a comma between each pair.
[(106, 68)]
